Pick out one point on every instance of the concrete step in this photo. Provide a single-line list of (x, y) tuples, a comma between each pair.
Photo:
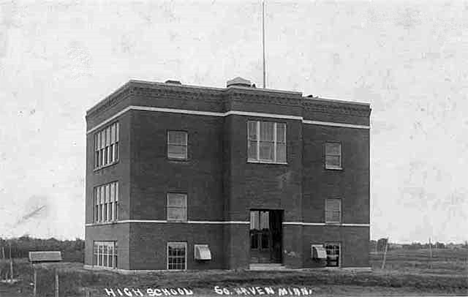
[(267, 266)]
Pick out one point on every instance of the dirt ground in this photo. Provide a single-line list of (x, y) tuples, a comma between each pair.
[(405, 274), (319, 291)]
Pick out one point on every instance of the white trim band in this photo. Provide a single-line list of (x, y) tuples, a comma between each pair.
[(223, 114), (335, 124), (325, 224), (220, 223), (169, 222)]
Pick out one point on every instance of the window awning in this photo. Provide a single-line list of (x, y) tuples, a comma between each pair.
[(318, 252), (202, 252)]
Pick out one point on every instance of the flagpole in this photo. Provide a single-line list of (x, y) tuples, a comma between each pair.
[(263, 43)]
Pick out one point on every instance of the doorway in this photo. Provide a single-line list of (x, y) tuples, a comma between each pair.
[(266, 238)]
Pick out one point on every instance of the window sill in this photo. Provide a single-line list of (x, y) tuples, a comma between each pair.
[(176, 221), (334, 168), (105, 166), (103, 267), (266, 162)]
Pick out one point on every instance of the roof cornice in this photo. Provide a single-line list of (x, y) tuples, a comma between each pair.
[(336, 107), (234, 93)]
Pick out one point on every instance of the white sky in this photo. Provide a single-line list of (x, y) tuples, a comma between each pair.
[(409, 60)]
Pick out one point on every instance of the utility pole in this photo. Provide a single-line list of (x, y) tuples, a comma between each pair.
[(263, 43), (56, 284), (11, 263), (35, 282)]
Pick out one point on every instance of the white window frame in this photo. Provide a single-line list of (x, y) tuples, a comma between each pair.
[(275, 143), (340, 253), (168, 144), (98, 254), (104, 142), (168, 207), (330, 166), (327, 211), (185, 256), (106, 202)]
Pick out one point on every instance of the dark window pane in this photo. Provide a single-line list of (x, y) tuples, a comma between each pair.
[(254, 241), (265, 240)]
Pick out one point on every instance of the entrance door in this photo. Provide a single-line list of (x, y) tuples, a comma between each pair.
[(266, 236)]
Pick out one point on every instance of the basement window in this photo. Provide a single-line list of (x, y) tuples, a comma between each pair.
[(176, 255), (333, 254), (105, 254)]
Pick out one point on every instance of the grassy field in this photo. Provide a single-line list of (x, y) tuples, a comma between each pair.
[(443, 261), (406, 273)]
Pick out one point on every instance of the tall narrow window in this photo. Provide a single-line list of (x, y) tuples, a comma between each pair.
[(333, 211), (106, 146), (176, 207), (333, 254), (177, 145), (333, 155), (106, 199), (266, 142), (176, 255)]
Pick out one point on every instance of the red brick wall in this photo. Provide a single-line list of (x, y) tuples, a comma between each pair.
[(148, 244), (221, 184), (354, 243)]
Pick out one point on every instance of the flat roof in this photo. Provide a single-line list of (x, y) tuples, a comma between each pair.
[(218, 90)]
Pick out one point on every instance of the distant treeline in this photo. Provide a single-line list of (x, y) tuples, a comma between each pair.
[(379, 245), (72, 250)]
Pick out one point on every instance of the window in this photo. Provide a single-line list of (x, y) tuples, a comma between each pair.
[(259, 229), (333, 155), (176, 207), (266, 142), (333, 254), (106, 146), (105, 254), (106, 203), (176, 255), (333, 211), (177, 145)]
